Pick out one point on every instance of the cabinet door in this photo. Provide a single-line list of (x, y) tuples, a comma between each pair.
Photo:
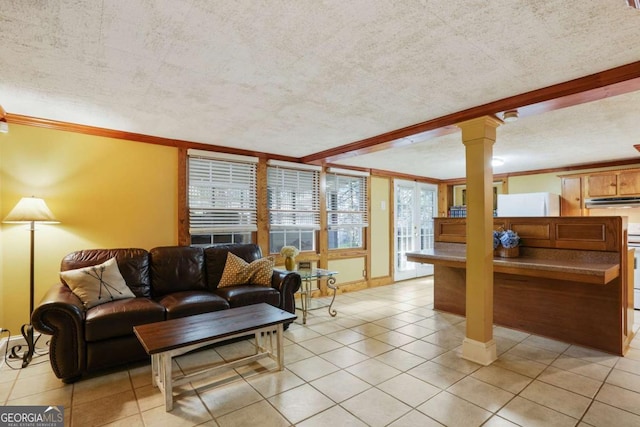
[(571, 200), (602, 185), (629, 183)]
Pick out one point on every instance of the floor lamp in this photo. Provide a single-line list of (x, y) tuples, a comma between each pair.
[(29, 210)]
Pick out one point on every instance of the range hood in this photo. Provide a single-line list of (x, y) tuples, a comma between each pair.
[(612, 202)]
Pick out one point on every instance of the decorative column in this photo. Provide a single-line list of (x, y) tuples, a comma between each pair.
[(478, 136)]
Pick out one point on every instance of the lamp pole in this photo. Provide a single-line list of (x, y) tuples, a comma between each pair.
[(27, 328), (29, 210)]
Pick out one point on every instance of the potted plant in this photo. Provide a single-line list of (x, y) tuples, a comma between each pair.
[(289, 253), (506, 243)]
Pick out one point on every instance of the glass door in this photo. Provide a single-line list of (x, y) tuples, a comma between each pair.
[(415, 208)]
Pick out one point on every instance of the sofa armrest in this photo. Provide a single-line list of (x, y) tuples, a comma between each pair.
[(288, 283), (61, 315)]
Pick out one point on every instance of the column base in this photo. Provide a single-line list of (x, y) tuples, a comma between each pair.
[(483, 353)]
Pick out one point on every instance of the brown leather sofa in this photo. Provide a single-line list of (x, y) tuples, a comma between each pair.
[(168, 282)]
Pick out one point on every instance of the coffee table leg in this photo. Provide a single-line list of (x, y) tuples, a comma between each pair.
[(167, 389), (258, 342), (280, 344), (154, 370)]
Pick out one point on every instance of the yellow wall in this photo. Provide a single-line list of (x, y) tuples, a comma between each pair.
[(541, 183), (380, 211), (349, 270), (105, 192), (3, 137)]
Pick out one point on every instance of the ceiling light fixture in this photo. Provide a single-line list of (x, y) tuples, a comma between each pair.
[(497, 161), (510, 116)]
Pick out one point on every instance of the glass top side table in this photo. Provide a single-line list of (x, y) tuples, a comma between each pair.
[(314, 276)]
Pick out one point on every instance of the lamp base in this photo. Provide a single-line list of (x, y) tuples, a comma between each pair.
[(27, 333)]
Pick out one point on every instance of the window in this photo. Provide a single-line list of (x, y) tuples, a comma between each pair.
[(221, 198), (346, 209), (294, 206)]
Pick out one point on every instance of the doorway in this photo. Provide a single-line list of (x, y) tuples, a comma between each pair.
[(415, 208)]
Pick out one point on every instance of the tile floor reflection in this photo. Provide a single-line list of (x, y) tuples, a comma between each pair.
[(387, 359)]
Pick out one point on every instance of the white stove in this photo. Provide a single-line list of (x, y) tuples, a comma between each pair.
[(633, 241)]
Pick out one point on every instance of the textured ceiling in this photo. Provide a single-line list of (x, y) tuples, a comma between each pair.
[(301, 76)]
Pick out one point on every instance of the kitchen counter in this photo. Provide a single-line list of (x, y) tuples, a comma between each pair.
[(570, 282), (585, 268)]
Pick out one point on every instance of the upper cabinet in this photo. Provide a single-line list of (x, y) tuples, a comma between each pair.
[(605, 185), (613, 183), (577, 188), (629, 183), (571, 200)]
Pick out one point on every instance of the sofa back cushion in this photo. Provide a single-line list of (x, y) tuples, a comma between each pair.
[(177, 268), (133, 265), (216, 258)]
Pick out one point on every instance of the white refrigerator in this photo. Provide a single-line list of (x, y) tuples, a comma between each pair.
[(529, 204)]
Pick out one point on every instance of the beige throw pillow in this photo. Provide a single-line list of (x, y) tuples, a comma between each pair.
[(239, 272), (97, 284)]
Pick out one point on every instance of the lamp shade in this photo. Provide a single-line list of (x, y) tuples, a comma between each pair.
[(31, 209)]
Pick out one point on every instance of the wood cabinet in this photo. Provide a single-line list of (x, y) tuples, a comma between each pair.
[(571, 200), (629, 183), (602, 185), (614, 183), (577, 188)]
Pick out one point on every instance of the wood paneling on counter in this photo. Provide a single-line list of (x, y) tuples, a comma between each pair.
[(585, 233), (568, 311)]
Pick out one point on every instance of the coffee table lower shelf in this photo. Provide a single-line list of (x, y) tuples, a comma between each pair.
[(165, 340)]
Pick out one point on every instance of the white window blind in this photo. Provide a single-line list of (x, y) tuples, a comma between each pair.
[(293, 198), (222, 196), (346, 201)]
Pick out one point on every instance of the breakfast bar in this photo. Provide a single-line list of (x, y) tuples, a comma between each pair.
[(572, 280)]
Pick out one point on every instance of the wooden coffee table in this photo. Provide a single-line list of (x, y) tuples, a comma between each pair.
[(171, 338)]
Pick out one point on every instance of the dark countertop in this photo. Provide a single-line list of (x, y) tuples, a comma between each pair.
[(575, 266)]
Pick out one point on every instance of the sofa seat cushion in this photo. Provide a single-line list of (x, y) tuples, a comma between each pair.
[(187, 303), (242, 295), (117, 318)]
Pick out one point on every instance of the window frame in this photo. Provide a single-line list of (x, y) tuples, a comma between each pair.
[(217, 205), (293, 204), (352, 207)]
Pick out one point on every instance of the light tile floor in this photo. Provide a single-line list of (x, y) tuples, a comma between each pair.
[(387, 359)]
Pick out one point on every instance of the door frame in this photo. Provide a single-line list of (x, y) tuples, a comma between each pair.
[(418, 269)]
